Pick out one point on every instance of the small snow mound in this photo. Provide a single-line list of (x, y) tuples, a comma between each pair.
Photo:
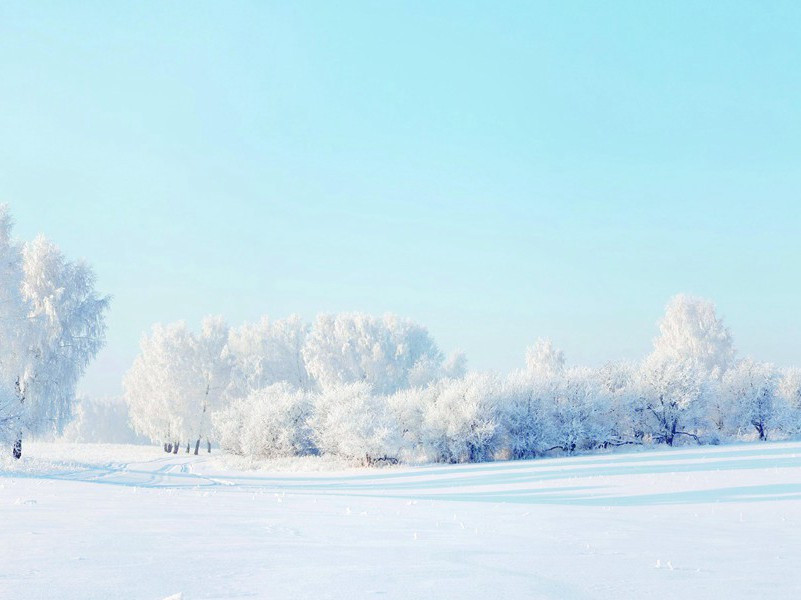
[(178, 596)]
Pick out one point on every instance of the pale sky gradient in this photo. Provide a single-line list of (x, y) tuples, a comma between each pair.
[(498, 171)]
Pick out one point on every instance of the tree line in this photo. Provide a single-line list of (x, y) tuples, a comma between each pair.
[(378, 389)]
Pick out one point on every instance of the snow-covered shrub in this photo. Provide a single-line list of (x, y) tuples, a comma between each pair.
[(268, 352), (461, 423), (270, 422), (522, 414), (350, 421)]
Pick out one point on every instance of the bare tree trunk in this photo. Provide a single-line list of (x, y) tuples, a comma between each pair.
[(165, 447), (175, 448), (208, 444), (18, 448), (187, 447), (197, 446), (169, 448)]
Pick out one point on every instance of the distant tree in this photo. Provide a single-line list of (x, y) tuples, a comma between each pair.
[(178, 382), (750, 388), (381, 352), (692, 332), (212, 366), (268, 352), (627, 415), (462, 423), (671, 395), (161, 384), (523, 413), (270, 422), (789, 390), (349, 421), (577, 416), (543, 360)]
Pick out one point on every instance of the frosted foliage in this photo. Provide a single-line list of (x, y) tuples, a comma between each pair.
[(626, 419), (212, 370), (268, 352), (461, 423), (159, 385), (408, 408), (178, 381), (543, 360), (750, 388), (576, 418), (789, 387), (381, 352), (523, 415), (672, 398), (351, 422), (68, 330), (373, 389), (51, 327), (13, 328), (270, 422), (691, 331)]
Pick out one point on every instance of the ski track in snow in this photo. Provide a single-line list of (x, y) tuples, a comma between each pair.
[(720, 521)]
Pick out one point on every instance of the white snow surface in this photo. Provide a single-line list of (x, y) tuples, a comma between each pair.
[(111, 521)]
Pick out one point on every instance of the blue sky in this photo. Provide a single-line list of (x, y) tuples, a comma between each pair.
[(497, 171)]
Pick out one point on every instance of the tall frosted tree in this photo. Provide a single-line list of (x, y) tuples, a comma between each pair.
[(691, 331), (543, 360), (178, 382), (160, 384), (212, 371), (53, 325)]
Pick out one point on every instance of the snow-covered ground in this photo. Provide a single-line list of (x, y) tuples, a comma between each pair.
[(92, 521)]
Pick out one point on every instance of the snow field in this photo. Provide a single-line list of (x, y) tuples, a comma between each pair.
[(92, 521)]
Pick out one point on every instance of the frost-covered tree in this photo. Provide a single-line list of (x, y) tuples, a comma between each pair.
[(692, 332), (350, 421), (523, 415), (178, 381), (381, 352), (462, 422), (789, 390), (543, 360), (627, 415), (672, 396), (270, 422), (161, 384), (212, 369), (750, 389), (14, 332), (53, 327), (268, 352), (578, 416)]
